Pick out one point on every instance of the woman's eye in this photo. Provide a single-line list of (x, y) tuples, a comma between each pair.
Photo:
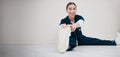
[(70, 8), (74, 8)]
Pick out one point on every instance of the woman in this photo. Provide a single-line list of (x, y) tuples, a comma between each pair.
[(75, 22)]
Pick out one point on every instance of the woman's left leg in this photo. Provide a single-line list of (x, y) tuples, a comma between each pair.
[(84, 40), (95, 41)]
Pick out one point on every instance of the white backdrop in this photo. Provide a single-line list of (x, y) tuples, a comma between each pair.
[(36, 21)]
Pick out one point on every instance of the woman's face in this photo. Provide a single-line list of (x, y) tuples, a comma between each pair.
[(71, 10)]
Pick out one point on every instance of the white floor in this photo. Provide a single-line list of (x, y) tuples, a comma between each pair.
[(49, 50)]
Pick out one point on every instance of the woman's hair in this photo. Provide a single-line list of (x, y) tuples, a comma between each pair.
[(70, 3)]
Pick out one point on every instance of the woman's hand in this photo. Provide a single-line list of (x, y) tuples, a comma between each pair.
[(73, 27)]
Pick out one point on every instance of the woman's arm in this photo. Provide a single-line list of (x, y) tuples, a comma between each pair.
[(64, 26), (79, 23)]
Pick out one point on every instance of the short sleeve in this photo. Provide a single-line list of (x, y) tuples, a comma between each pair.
[(78, 17), (62, 22)]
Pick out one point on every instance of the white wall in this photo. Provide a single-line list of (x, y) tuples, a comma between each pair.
[(36, 21)]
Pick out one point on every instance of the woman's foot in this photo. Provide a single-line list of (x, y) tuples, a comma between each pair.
[(117, 40), (70, 48)]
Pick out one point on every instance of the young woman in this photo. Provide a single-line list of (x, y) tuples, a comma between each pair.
[(75, 22)]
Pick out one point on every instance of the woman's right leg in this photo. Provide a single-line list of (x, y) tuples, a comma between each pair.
[(72, 42)]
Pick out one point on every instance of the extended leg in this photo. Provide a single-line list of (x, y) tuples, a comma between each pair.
[(95, 41), (83, 40)]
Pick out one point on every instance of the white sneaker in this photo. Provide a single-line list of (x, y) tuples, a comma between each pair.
[(117, 40)]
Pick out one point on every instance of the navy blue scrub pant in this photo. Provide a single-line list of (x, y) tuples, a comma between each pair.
[(77, 38)]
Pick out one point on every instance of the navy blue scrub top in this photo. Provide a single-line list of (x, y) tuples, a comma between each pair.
[(66, 20)]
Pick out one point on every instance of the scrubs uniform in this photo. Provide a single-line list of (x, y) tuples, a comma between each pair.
[(77, 38)]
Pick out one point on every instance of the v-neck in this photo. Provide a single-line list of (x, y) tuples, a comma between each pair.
[(72, 22)]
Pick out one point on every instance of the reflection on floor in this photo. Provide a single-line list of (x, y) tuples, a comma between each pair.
[(49, 50)]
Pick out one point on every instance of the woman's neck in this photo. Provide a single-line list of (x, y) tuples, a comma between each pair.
[(71, 18)]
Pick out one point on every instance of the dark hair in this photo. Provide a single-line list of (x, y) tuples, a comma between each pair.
[(70, 3)]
